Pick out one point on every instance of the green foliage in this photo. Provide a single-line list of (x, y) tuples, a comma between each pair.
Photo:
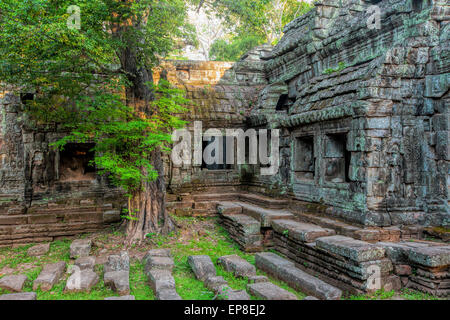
[(252, 23), (222, 50), (341, 66), (79, 79)]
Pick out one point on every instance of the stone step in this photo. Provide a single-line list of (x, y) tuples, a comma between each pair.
[(247, 225), (229, 207), (245, 230), (356, 250), (61, 212), (297, 279), (215, 197), (299, 231), (339, 227), (269, 291), (263, 201), (265, 216)]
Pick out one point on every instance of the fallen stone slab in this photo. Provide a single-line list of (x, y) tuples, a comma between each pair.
[(80, 248), (238, 266), (13, 283), (167, 295), (19, 296), (121, 298), (49, 276), (161, 280), (86, 263), (269, 291), (310, 298), (118, 262), (161, 263), (118, 281), (156, 253), (225, 292), (303, 232), (202, 267), (214, 283), (431, 256), (297, 279), (82, 281), (350, 248), (39, 250), (257, 279)]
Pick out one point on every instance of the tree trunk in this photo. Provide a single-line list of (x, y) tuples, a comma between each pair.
[(149, 203), (150, 207)]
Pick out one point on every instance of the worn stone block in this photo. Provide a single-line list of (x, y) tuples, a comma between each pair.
[(202, 267), (238, 266)]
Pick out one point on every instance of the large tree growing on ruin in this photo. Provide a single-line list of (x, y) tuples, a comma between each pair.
[(89, 67)]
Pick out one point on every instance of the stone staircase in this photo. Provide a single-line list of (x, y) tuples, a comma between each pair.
[(332, 251)]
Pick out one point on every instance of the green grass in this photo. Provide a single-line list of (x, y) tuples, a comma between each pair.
[(215, 243), (407, 294), (60, 251)]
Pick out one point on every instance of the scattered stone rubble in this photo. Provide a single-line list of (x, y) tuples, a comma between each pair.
[(117, 273), (80, 248), (38, 250), (286, 271), (205, 271), (158, 268), (13, 283), (49, 276)]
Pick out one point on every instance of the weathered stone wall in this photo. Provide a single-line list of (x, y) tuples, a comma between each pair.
[(44, 194), (223, 95), (365, 118)]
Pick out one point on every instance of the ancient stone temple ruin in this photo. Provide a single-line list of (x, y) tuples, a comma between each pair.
[(364, 152)]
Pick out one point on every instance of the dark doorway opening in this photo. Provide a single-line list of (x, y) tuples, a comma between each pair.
[(75, 162)]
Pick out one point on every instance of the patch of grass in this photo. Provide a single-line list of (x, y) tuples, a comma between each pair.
[(378, 295), (407, 294), (416, 295), (139, 286), (215, 243)]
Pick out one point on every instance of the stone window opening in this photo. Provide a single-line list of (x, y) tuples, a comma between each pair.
[(418, 5), (25, 97), (337, 158), (284, 103), (75, 162), (216, 166), (304, 161)]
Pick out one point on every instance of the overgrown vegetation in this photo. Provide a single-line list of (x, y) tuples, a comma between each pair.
[(214, 242)]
